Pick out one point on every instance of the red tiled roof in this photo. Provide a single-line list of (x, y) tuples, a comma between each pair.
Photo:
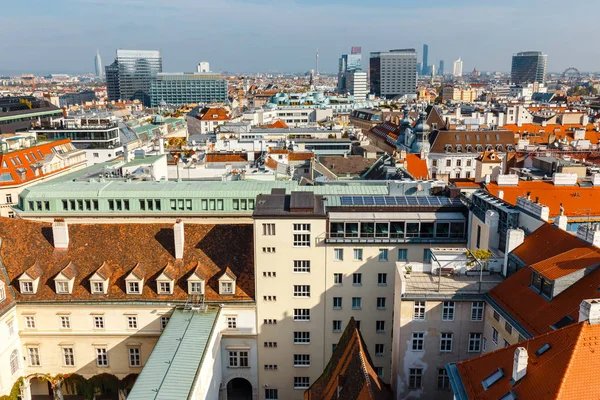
[(489, 157), (301, 156), (278, 124), (226, 157), (568, 262), (120, 249), (538, 134), (278, 151), (350, 373), (466, 184), (417, 167), (213, 114), (574, 199), (567, 370), (270, 163)]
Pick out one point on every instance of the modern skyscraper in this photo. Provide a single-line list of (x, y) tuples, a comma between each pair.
[(393, 73), (425, 70), (348, 63), (98, 65), (529, 67), (185, 88), (131, 74), (458, 67), (441, 69)]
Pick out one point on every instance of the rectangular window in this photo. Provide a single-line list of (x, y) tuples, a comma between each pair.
[(337, 325), (508, 327), (506, 344), (164, 320), (382, 279), (301, 266), (65, 322), (301, 240), (448, 311), (477, 311), (26, 287), (98, 322), (380, 326), (337, 279), (101, 357), (271, 394), (379, 349), (301, 337), (358, 254), (443, 380), (301, 290), (34, 356), (338, 254), (496, 316), (357, 279), (301, 360), (474, 342), (446, 342), (68, 356), (483, 345), (30, 322), (478, 243), (337, 303), (301, 382), (415, 379), (134, 287), (301, 227), (231, 322), (402, 255), (381, 303), (134, 357), (301, 314), (494, 336), (62, 287), (268, 229), (196, 287), (238, 359), (418, 341), (357, 303), (419, 310), (98, 287), (164, 287), (427, 255), (132, 322), (10, 327), (383, 254)]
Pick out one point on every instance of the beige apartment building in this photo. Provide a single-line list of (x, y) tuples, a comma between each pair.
[(320, 261)]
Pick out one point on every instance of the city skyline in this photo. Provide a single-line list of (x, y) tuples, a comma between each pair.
[(107, 25)]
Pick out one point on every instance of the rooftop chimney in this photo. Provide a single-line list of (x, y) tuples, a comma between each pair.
[(60, 233), (161, 146), (519, 364), (589, 310), (590, 234), (179, 238)]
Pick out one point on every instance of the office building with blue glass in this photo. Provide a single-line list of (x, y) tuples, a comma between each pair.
[(187, 88)]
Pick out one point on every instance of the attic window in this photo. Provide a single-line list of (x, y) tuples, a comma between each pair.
[(543, 349), (226, 288), (98, 287), (196, 288), (493, 378), (511, 395), (27, 287), (62, 287), (215, 115), (564, 321)]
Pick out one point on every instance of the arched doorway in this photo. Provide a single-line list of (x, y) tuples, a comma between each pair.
[(239, 389)]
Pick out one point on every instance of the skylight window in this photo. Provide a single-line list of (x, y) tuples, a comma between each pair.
[(543, 349), (564, 321), (511, 395), (493, 378)]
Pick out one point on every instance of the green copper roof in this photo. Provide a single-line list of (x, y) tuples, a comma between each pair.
[(170, 372), (30, 115)]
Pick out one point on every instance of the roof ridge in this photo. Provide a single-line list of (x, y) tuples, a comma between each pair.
[(364, 365), (569, 364)]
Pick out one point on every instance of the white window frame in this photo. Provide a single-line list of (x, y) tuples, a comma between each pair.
[(27, 287), (65, 321), (384, 300), (377, 328), (98, 321), (301, 291), (165, 287), (62, 287), (414, 376), (301, 314), (301, 360), (226, 287), (379, 281), (238, 357), (358, 254), (495, 336), (271, 394), (357, 279), (337, 306), (301, 337), (10, 327), (379, 349), (33, 356), (338, 254), (132, 322), (477, 310), (301, 266), (164, 320), (101, 357), (301, 382), (337, 322), (68, 356), (268, 229), (446, 342), (336, 281), (419, 310), (135, 356), (301, 240), (193, 285), (14, 362), (448, 310), (131, 284), (301, 227), (97, 287), (417, 341), (231, 321), (474, 342), (357, 303)]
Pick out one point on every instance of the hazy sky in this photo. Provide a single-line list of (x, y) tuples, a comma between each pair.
[(46, 36)]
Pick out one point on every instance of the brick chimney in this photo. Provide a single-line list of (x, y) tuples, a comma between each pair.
[(60, 234), (589, 310), (519, 364), (179, 238)]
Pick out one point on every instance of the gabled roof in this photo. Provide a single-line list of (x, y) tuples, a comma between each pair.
[(489, 157), (104, 271), (278, 124), (568, 262), (567, 370), (471, 138), (169, 271), (138, 272), (213, 114), (350, 373), (546, 242), (227, 272), (127, 248), (69, 271), (416, 166), (197, 271)]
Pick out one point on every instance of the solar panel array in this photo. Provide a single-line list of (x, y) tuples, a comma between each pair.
[(402, 201)]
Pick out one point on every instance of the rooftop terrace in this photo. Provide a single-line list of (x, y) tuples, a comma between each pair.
[(434, 286)]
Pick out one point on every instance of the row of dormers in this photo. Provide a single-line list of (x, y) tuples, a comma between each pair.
[(134, 281)]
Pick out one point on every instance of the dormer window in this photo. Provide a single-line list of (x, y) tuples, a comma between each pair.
[(99, 281), (97, 287), (226, 288), (196, 287), (133, 288), (166, 280), (27, 287), (135, 280), (165, 288), (62, 287)]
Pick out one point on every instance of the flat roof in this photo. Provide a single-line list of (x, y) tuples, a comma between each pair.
[(433, 286)]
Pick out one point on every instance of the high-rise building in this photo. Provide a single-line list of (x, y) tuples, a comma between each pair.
[(425, 67), (393, 73), (529, 67), (98, 65), (203, 66), (185, 88), (131, 74), (458, 67), (441, 69), (357, 84), (348, 63)]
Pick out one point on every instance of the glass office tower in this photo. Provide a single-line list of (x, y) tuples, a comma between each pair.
[(529, 67), (135, 70)]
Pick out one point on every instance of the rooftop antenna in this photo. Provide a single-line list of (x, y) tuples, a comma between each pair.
[(317, 62)]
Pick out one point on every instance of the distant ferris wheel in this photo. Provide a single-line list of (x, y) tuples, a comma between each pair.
[(571, 75)]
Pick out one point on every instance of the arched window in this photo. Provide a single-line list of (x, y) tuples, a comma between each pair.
[(14, 361)]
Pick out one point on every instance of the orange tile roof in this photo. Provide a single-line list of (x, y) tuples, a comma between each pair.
[(576, 200), (213, 114), (565, 371), (270, 163), (226, 157), (278, 124), (278, 151), (466, 184), (416, 166), (538, 134), (301, 156), (489, 157), (121, 249), (568, 262), (546, 242), (350, 373)]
